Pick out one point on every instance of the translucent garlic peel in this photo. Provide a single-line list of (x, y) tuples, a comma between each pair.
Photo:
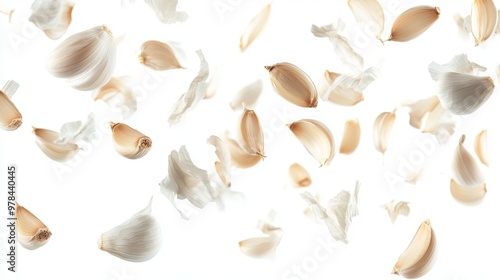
[(459, 63), (118, 96), (255, 27), (401, 208), (370, 12), (338, 94), (52, 16), (316, 138), (166, 11), (32, 233), (129, 142)]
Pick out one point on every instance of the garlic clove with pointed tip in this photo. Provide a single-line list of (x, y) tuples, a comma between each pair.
[(129, 142), (32, 233)]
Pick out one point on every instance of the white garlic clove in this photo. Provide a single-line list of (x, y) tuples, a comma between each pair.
[(466, 170), (129, 142), (467, 196), (413, 22), (316, 138), (382, 128), (32, 233), (158, 56), (481, 147), (251, 135), (47, 139), (351, 137), (483, 18)]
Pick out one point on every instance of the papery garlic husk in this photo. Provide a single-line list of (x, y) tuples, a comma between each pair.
[(440, 123), (419, 257), (369, 12), (459, 63), (260, 246), (251, 135), (86, 60), (293, 84), (166, 11), (463, 94), (31, 232), (413, 22), (255, 27), (248, 95), (299, 175), (483, 18), (481, 147), (158, 56), (239, 156), (129, 142), (47, 139), (223, 166), (382, 128), (401, 208), (467, 196), (6, 11), (137, 239), (351, 137), (72, 132), (10, 117), (118, 96), (212, 83), (316, 138), (339, 95), (53, 16), (466, 169), (420, 108)]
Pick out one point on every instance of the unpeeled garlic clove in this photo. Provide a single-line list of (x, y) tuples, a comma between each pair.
[(10, 117), (481, 147), (86, 59), (299, 175), (293, 84), (53, 17), (316, 138), (419, 256), (158, 56), (483, 19), (129, 142), (351, 137), (32, 233), (251, 135), (413, 22), (467, 196), (47, 139), (137, 239), (369, 12), (248, 95), (466, 170), (239, 156), (255, 27), (382, 128)]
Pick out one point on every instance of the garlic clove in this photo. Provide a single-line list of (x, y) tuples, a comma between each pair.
[(259, 246), (483, 18), (86, 60), (58, 30), (129, 142), (52, 17), (223, 166), (248, 95), (293, 84), (239, 156), (467, 196), (421, 108), (382, 128), (459, 63), (369, 12), (47, 139), (351, 137), (419, 256), (10, 117), (251, 135), (440, 123), (299, 175), (137, 239), (158, 56), (255, 27), (316, 138), (466, 170), (166, 11), (413, 22), (339, 95), (32, 233), (481, 147)]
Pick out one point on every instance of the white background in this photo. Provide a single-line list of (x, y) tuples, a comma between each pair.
[(98, 190)]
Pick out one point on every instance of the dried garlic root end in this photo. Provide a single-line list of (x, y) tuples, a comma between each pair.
[(15, 124), (299, 175), (43, 234), (105, 28)]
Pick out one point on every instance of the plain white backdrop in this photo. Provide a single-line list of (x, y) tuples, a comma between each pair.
[(100, 189)]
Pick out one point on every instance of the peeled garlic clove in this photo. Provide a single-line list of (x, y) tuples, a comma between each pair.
[(248, 95), (339, 95), (138, 239), (32, 233), (413, 22), (166, 11), (299, 175), (316, 138), (420, 108), (467, 196), (369, 12), (223, 166), (418, 258), (483, 20), (350, 139), (10, 117), (382, 130), (129, 142), (46, 140), (239, 156), (481, 147), (466, 169), (86, 59), (259, 246), (463, 94), (293, 84), (255, 27), (158, 56), (250, 133)]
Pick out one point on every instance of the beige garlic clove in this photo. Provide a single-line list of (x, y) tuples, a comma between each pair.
[(466, 170), (440, 123), (419, 256), (316, 138), (369, 12), (339, 95), (467, 196), (239, 156), (463, 94), (247, 96), (351, 137), (382, 130), (421, 108), (481, 147), (259, 246), (129, 142), (32, 233), (47, 139), (293, 84), (413, 22), (223, 166), (10, 117), (299, 175), (255, 27), (158, 56), (483, 19), (86, 60), (251, 135)]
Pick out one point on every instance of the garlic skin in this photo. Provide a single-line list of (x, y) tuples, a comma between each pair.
[(239, 156), (459, 63), (10, 117), (251, 135), (47, 139), (382, 128), (339, 95), (483, 19), (52, 16), (370, 12), (401, 208), (223, 166), (466, 170), (158, 56), (316, 138), (413, 22), (137, 239), (166, 11), (32, 233), (129, 142), (293, 84), (299, 175), (247, 95), (255, 27), (86, 60), (118, 96)]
